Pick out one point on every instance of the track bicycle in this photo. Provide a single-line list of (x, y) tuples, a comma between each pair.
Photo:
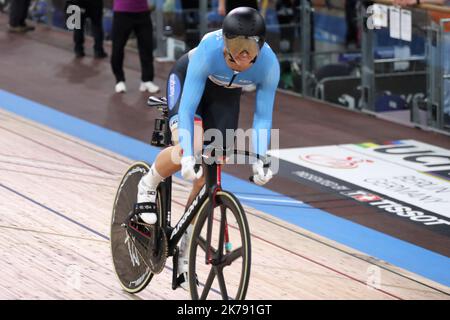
[(220, 245)]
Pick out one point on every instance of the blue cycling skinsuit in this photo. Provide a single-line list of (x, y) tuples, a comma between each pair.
[(201, 84)]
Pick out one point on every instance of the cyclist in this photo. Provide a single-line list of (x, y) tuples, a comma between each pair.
[(203, 92)]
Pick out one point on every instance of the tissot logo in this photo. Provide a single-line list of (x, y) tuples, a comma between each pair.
[(399, 209), (368, 197), (349, 162)]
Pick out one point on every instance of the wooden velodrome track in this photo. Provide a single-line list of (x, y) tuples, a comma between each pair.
[(56, 196)]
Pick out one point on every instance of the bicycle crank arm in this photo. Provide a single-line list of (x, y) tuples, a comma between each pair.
[(175, 268), (212, 199)]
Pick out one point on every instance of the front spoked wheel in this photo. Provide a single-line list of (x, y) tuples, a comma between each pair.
[(227, 274)]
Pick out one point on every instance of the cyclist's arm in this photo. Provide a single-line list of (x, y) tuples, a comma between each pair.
[(265, 97), (194, 84)]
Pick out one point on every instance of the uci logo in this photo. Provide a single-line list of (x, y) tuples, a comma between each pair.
[(427, 158)]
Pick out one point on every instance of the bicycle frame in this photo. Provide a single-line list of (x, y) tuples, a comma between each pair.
[(208, 191), (212, 174)]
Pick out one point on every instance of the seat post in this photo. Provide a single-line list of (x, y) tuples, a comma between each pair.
[(211, 175)]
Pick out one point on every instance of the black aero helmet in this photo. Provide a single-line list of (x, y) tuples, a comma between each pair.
[(244, 23)]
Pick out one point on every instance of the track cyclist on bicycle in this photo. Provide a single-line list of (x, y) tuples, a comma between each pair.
[(203, 92)]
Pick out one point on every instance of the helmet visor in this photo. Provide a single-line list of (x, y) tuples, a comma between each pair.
[(242, 45)]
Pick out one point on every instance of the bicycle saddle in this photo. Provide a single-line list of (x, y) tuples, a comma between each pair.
[(157, 102)]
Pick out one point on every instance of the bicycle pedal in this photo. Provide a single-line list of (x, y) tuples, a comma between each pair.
[(175, 268), (182, 279)]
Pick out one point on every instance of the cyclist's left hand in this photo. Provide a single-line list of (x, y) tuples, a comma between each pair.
[(259, 177)]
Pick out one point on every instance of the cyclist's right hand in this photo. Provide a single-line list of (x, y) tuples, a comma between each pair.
[(259, 176), (188, 169)]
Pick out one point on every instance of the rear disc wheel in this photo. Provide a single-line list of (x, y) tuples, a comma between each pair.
[(131, 268)]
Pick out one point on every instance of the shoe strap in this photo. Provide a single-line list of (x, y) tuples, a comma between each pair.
[(144, 207)]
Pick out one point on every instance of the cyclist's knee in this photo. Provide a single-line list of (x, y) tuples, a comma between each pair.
[(172, 154)]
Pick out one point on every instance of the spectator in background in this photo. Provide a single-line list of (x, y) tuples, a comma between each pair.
[(18, 13), (169, 8), (92, 9), (191, 22), (226, 6), (351, 38), (133, 16), (288, 14)]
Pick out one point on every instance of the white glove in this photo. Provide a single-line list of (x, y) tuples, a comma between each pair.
[(187, 169), (258, 173)]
